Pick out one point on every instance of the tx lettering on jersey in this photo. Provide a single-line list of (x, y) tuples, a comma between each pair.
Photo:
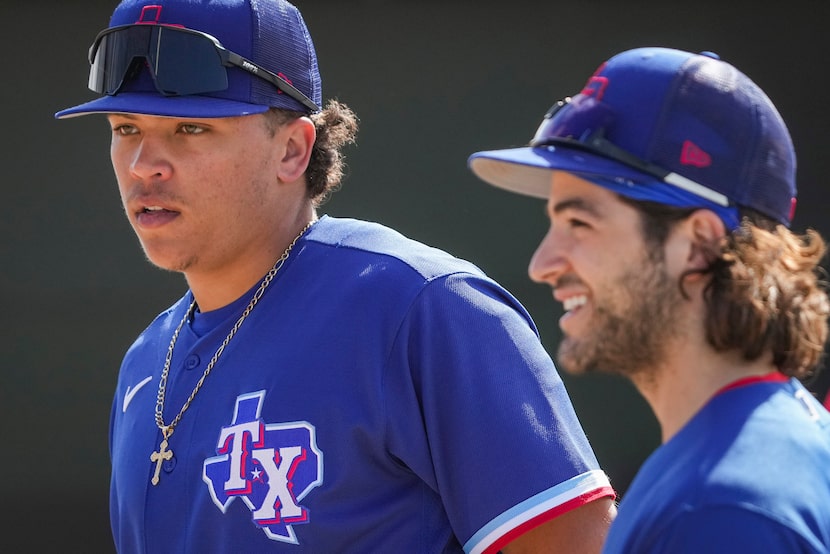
[(270, 466)]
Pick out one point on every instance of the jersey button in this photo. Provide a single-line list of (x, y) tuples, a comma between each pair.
[(192, 361)]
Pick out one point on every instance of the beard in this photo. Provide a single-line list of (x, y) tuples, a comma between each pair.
[(633, 324)]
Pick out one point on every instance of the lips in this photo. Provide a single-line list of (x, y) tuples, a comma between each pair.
[(152, 217)]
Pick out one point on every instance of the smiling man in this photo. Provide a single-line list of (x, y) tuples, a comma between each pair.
[(325, 384), (670, 188)]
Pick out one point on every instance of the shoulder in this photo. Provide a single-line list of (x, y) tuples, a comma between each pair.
[(721, 526), (757, 454), (727, 529), (163, 325), (775, 434), (758, 440), (375, 242), (368, 259)]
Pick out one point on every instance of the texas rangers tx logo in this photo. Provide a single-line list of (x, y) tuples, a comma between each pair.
[(271, 467)]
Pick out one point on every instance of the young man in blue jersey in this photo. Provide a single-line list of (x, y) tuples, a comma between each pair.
[(325, 384), (670, 188)]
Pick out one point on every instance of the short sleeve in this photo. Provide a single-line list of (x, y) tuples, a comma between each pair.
[(491, 427)]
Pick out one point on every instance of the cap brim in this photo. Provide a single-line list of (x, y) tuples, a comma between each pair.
[(528, 170), (151, 103)]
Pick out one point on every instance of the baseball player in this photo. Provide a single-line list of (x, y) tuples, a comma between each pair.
[(325, 384), (670, 188)]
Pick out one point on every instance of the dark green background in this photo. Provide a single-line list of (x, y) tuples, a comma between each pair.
[(432, 82)]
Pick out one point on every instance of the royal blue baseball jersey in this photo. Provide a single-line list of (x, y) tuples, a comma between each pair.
[(749, 473), (382, 396)]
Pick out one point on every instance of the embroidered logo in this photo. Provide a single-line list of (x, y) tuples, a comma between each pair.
[(596, 84), (150, 14), (270, 466), (131, 392), (692, 154)]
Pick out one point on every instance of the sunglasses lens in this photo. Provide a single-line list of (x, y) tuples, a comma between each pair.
[(188, 63), (180, 62), (114, 54), (574, 119)]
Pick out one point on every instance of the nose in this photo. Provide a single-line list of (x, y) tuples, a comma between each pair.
[(548, 262), (149, 160)]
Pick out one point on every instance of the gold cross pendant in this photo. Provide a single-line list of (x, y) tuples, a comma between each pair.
[(162, 454)]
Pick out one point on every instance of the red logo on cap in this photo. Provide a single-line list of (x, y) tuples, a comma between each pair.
[(284, 77), (150, 14), (596, 84), (692, 154)]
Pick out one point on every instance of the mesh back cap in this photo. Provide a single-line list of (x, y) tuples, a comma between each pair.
[(271, 33), (690, 114)]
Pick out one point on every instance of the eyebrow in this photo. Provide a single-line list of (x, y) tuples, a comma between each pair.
[(579, 204)]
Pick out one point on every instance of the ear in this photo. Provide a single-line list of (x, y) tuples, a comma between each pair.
[(703, 229), (298, 137)]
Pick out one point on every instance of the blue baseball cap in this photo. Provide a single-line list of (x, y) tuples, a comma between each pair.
[(662, 125), (203, 58)]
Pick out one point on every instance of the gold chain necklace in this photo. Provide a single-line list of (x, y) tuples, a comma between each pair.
[(163, 453)]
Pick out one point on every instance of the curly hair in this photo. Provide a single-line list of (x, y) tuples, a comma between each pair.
[(766, 292), (336, 127)]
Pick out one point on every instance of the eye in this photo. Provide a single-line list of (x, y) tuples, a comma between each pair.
[(191, 129), (574, 222), (124, 129)]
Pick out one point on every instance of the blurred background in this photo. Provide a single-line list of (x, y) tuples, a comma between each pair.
[(432, 82)]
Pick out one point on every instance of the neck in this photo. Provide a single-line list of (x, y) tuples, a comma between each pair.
[(215, 288), (690, 378)]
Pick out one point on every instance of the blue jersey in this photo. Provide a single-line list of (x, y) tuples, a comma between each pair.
[(382, 396), (749, 473)]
